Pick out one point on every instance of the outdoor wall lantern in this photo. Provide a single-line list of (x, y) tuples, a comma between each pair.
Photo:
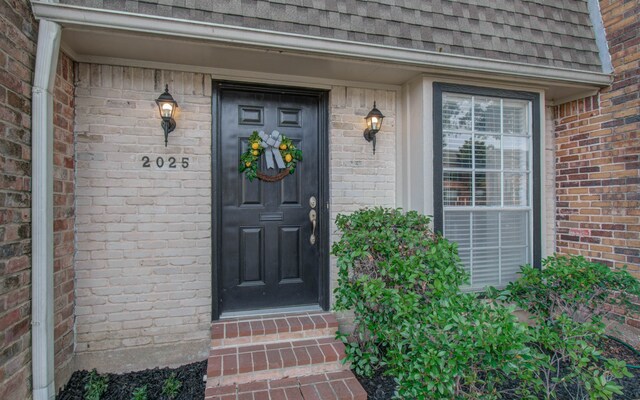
[(167, 106), (374, 123)]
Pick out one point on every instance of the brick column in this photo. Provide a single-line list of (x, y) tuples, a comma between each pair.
[(598, 156), (64, 214), (18, 31)]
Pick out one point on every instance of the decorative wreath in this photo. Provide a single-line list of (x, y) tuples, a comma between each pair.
[(279, 151)]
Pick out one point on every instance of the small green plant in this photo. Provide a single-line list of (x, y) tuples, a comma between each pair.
[(171, 386), (567, 300), (140, 393), (96, 386)]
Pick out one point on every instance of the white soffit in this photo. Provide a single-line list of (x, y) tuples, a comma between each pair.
[(115, 47)]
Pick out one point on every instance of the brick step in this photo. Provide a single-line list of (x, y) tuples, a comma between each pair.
[(341, 385), (272, 328), (242, 364)]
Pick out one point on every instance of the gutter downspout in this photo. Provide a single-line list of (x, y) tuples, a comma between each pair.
[(42, 347)]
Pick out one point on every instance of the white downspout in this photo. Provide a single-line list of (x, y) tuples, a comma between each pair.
[(42, 351)]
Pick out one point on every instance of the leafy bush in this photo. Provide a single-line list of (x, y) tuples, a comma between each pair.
[(387, 258), (567, 299), (403, 283), (460, 347), (96, 386), (572, 286)]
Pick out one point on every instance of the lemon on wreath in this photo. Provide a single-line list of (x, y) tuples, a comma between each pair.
[(283, 146), (247, 164), (288, 158), (255, 146), (255, 152)]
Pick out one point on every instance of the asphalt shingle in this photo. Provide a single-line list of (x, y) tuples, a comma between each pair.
[(555, 33)]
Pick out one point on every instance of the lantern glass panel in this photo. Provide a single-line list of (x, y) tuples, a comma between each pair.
[(166, 110)]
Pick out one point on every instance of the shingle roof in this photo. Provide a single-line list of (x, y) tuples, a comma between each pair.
[(554, 33)]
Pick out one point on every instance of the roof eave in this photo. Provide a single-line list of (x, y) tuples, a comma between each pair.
[(83, 16)]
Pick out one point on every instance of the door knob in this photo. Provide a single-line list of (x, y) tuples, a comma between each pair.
[(313, 217)]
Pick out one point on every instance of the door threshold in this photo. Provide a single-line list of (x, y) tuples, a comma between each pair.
[(267, 311)]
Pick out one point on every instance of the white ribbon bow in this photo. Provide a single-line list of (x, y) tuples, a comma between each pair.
[(271, 145)]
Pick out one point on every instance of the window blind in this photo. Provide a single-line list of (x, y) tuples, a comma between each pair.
[(486, 187)]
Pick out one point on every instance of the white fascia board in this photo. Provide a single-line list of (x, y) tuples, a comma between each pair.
[(75, 15)]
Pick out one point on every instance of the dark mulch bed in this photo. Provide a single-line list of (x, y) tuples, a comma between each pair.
[(121, 386), (381, 387)]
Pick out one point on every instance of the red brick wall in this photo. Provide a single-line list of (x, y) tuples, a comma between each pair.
[(18, 35), (63, 211), (598, 156)]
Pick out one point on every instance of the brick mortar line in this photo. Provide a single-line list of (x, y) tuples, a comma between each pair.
[(269, 342)]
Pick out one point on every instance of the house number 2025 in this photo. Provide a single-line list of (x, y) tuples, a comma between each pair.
[(171, 162)]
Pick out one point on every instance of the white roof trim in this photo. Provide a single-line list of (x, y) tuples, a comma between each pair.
[(601, 35), (69, 14)]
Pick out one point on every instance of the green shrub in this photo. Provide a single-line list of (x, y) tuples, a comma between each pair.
[(403, 283), (140, 393), (386, 258), (573, 286), (567, 300), (460, 347), (171, 386), (96, 386)]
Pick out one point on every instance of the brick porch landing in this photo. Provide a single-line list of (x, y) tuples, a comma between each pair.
[(279, 357)]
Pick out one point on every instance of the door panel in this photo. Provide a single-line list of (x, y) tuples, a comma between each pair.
[(289, 256), (251, 257), (266, 258)]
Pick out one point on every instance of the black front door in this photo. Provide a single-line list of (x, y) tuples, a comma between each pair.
[(267, 258)]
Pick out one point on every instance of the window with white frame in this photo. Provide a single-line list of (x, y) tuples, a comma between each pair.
[(486, 176)]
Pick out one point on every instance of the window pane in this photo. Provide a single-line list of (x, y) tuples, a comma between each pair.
[(512, 259), (487, 144), (516, 191), (487, 152), (516, 117), (514, 228), (456, 112), (456, 151), (457, 188), (487, 188), (457, 227), (485, 229), (485, 267), (516, 153), (486, 114)]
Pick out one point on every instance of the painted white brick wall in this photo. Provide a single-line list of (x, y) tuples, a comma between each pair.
[(549, 178), (143, 234), (358, 177)]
